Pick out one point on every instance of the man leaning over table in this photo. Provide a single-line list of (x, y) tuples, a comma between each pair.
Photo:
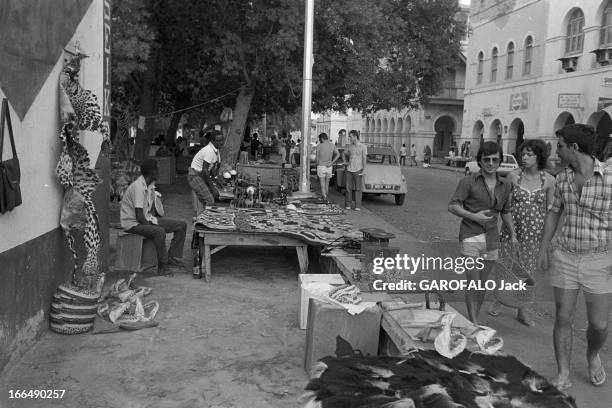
[(137, 207), (204, 169), (581, 257)]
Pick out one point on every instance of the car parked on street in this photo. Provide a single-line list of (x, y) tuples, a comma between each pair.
[(507, 165), (383, 173)]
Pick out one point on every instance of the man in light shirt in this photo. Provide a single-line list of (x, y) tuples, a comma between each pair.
[(137, 217), (204, 169), (355, 169), (326, 156)]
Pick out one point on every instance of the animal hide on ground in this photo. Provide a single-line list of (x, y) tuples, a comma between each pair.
[(424, 379)]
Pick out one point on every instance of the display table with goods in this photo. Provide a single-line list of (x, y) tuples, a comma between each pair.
[(298, 226), (422, 358)]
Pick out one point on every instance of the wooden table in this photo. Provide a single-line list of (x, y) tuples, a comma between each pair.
[(211, 242)]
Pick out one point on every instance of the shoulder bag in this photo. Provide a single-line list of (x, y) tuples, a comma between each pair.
[(10, 174)]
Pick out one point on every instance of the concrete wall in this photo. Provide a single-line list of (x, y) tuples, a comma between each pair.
[(33, 256)]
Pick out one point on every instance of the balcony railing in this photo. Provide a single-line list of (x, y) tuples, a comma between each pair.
[(451, 90)]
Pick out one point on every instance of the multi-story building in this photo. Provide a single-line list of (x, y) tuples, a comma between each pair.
[(438, 123), (534, 66)]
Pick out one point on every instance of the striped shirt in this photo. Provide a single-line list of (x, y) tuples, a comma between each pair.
[(588, 219)]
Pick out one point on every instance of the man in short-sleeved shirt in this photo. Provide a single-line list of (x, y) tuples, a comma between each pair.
[(581, 258), (204, 168), (478, 200), (355, 169), (326, 154), (137, 217)]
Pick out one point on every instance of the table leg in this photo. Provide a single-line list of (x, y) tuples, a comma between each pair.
[(302, 253), (207, 263)]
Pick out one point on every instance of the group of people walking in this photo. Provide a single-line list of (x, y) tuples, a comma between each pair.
[(530, 202)]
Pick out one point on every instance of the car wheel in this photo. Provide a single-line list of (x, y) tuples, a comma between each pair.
[(467, 171), (399, 199)]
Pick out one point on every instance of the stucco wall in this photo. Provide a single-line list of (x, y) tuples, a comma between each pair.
[(33, 256)]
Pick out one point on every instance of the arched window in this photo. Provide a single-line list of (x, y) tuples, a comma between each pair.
[(510, 61), (480, 68), (574, 40), (606, 25), (494, 65), (528, 55)]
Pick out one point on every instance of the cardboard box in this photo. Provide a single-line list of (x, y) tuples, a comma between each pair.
[(303, 296), (327, 321)]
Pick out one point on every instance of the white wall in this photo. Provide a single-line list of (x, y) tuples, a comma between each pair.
[(38, 146)]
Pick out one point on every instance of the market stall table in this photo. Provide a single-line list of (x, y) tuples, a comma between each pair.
[(211, 242)]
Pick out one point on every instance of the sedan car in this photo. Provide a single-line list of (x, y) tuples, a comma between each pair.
[(383, 174), (505, 167)]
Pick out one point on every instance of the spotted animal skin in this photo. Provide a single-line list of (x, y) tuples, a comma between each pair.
[(73, 168)]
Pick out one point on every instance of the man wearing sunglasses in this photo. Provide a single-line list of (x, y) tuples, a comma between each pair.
[(477, 201), (581, 257)]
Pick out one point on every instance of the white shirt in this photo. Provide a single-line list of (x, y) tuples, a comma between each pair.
[(137, 195), (208, 154)]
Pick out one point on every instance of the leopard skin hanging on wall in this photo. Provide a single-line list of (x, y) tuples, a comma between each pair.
[(79, 110)]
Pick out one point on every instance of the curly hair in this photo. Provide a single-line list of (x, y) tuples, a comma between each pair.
[(488, 148), (539, 148), (581, 135)]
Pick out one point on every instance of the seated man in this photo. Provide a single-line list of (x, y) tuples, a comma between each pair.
[(137, 207), (204, 169)]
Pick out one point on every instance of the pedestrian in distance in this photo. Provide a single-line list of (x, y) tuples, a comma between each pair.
[(140, 216), (478, 200), (580, 258), (204, 170), (326, 155), (403, 154), (413, 153), (427, 156), (356, 156), (532, 193)]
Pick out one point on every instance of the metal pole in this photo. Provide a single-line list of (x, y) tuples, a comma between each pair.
[(306, 100)]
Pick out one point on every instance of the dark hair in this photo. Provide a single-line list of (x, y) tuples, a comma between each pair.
[(582, 135), (215, 133), (488, 148), (255, 135), (342, 130), (323, 136), (354, 133), (148, 167), (538, 147)]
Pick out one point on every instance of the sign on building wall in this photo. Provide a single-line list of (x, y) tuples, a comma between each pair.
[(606, 82), (519, 101), (569, 101), (106, 98)]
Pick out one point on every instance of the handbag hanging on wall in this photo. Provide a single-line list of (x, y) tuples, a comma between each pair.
[(10, 174)]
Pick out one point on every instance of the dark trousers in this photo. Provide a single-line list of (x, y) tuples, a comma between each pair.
[(402, 160), (158, 234)]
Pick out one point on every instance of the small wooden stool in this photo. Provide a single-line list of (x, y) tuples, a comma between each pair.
[(135, 253)]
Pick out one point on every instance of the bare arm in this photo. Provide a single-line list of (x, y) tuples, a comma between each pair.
[(549, 187), (140, 217), (335, 155), (507, 219), (550, 226)]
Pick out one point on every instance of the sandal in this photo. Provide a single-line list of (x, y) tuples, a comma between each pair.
[(597, 377)]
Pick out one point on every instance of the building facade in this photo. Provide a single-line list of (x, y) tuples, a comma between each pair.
[(534, 66)]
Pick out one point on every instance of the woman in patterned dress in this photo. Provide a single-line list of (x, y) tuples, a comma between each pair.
[(532, 195)]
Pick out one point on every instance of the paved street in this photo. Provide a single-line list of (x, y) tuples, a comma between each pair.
[(424, 214)]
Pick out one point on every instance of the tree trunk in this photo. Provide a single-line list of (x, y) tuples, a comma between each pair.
[(229, 152), (183, 101), (148, 107)]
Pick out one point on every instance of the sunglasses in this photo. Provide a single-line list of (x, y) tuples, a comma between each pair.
[(490, 159)]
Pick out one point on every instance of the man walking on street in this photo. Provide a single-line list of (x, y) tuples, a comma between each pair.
[(581, 257), (326, 156), (478, 199), (355, 169), (403, 154), (137, 207), (413, 156)]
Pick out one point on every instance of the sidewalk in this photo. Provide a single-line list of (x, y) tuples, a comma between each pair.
[(233, 342)]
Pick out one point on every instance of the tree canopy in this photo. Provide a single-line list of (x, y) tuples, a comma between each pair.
[(368, 54)]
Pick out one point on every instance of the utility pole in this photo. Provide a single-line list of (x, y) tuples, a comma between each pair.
[(306, 101)]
